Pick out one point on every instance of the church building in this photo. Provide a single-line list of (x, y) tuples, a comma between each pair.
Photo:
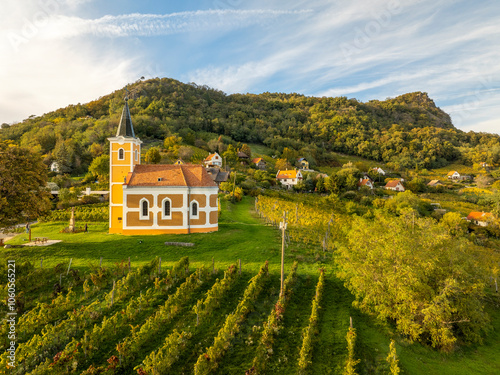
[(157, 198)]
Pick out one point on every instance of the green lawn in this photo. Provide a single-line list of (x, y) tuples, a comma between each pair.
[(243, 236)]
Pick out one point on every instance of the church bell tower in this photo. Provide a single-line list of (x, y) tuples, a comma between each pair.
[(125, 154)]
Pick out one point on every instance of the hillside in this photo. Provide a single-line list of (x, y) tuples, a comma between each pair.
[(408, 130)]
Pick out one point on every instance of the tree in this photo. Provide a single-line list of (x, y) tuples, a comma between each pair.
[(23, 178), (230, 155), (100, 167), (282, 165), (153, 156), (246, 150), (185, 153), (413, 272)]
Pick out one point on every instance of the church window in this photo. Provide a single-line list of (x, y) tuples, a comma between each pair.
[(144, 209), (121, 154)]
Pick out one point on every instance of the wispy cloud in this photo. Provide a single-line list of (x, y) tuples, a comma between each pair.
[(160, 24)]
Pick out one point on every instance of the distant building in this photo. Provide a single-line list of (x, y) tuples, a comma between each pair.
[(242, 155), (480, 218), (379, 170), (213, 160), (453, 175), (289, 178), (395, 185), (303, 163), (54, 167), (217, 175), (365, 182), (259, 163), (434, 183)]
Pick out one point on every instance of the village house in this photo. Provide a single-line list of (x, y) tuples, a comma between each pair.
[(434, 183), (395, 185), (289, 178), (453, 175), (213, 160), (379, 171), (303, 163), (156, 198), (482, 219), (259, 163), (365, 182)]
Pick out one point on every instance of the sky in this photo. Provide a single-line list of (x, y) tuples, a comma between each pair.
[(54, 53)]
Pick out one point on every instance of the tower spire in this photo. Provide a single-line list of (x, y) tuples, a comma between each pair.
[(125, 129)]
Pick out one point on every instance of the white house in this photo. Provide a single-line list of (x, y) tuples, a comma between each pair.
[(480, 218), (379, 171), (395, 185), (289, 178), (213, 160), (453, 175), (365, 182)]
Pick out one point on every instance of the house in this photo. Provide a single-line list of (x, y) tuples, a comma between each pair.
[(242, 155), (217, 175), (365, 182), (213, 160), (483, 164), (434, 183), (259, 163), (453, 175), (480, 218), (54, 167), (395, 185), (289, 178), (303, 163), (156, 198), (379, 170)]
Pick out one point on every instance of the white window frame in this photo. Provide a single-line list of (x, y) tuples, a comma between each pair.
[(141, 215), (136, 153), (122, 150), (163, 216)]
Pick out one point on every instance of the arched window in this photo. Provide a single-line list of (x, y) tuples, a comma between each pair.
[(121, 154), (194, 209), (144, 209), (167, 205), (136, 155)]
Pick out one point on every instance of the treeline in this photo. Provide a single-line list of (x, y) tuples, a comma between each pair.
[(407, 131)]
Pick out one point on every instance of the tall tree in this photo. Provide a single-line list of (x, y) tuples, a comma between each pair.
[(153, 156), (23, 180)]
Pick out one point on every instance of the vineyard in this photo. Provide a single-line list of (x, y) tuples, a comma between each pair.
[(167, 310)]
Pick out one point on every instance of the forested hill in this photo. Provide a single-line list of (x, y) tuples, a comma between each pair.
[(408, 130)]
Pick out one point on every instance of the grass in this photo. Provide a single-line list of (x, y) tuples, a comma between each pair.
[(243, 236)]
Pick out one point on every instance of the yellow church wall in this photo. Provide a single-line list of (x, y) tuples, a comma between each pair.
[(177, 199), (133, 200), (134, 221), (213, 200), (176, 220), (119, 173), (200, 198), (116, 224), (117, 194), (214, 217), (167, 231), (202, 219)]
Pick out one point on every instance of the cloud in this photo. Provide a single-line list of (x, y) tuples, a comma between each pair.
[(159, 24)]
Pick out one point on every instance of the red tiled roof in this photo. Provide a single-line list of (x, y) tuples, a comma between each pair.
[(209, 157), (364, 181), (482, 216), (287, 174), (169, 175), (256, 160), (392, 183)]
